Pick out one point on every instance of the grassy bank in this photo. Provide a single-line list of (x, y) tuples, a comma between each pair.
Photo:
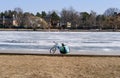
[(28, 66)]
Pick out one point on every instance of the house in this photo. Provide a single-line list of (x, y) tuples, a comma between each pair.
[(8, 22), (65, 24), (14, 21)]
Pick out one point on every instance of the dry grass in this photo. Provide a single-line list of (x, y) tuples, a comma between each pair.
[(27, 66)]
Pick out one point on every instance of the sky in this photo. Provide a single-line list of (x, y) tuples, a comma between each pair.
[(34, 6)]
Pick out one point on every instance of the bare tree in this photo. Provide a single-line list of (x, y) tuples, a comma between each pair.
[(70, 15), (100, 20), (18, 10), (92, 18), (18, 15), (111, 11)]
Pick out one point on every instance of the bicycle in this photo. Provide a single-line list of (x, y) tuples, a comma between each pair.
[(58, 46), (54, 48)]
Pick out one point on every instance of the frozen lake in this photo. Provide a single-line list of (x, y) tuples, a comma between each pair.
[(77, 41)]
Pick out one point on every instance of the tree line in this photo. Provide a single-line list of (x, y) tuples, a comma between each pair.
[(110, 19)]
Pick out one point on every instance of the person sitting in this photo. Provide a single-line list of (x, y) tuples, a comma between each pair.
[(63, 49)]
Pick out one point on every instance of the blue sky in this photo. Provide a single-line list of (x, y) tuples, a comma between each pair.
[(34, 6)]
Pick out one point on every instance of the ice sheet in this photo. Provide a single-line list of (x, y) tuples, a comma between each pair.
[(77, 41)]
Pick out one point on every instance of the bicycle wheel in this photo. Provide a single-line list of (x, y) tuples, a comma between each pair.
[(52, 50)]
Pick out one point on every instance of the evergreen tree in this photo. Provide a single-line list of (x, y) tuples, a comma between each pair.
[(54, 19), (38, 14), (54, 16), (43, 14)]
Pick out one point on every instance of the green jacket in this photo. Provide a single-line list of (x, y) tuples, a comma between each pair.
[(64, 49)]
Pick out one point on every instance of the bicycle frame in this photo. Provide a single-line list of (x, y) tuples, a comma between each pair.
[(54, 48)]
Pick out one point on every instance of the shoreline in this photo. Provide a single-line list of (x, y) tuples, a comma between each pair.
[(62, 30), (71, 54)]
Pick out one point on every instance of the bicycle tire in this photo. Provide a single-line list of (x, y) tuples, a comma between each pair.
[(52, 50)]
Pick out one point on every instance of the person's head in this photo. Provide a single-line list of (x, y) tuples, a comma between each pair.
[(63, 44)]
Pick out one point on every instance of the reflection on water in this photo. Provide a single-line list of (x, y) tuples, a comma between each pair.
[(77, 41)]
